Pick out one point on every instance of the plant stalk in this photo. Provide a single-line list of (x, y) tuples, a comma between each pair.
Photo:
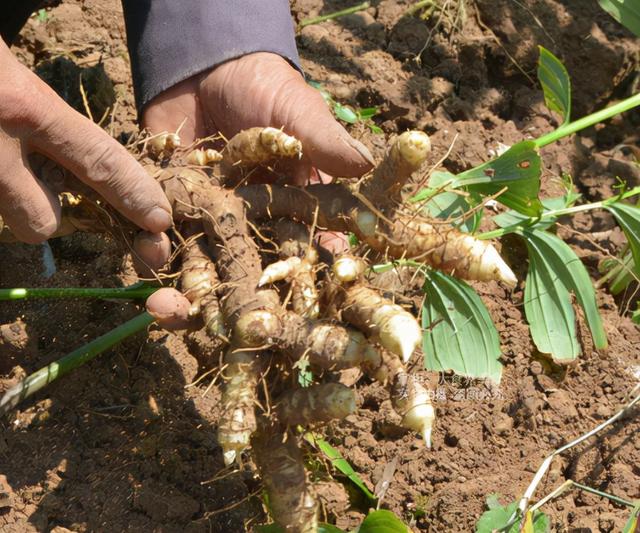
[(41, 378), (555, 213), (589, 120), (133, 292), (335, 15)]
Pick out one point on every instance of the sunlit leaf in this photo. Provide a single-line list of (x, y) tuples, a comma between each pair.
[(383, 521), (459, 334), (517, 170), (367, 113), (547, 306), (554, 272), (626, 12), (497, 517), (340, 463), (628, 217), (556, 84), (345, 113)]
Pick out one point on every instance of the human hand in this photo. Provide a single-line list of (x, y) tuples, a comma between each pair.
[(260, 89), (34, 119)]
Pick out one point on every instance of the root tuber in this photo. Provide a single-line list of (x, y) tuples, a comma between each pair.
[(238, 418), (281, 466), (315, 404), (259, 146)]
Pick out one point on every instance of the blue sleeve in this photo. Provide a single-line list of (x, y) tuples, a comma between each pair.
[(170, 40)]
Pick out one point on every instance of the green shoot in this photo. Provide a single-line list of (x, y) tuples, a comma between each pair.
[(334, 15), (132, 292), (497, 517), (346, 113), (41, 378), (340, 463)]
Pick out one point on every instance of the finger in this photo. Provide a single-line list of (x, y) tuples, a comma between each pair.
[(27, 207), (101, 162), (170, 308), (151, 252)]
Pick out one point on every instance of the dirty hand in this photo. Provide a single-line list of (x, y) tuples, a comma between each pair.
[(260, 89), (34, 119)]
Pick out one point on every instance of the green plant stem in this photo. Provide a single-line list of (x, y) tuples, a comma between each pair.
[(133, 292), (419, 5), (611, 497), (555, 213), (335, 15), (589, 120), (41, 378)]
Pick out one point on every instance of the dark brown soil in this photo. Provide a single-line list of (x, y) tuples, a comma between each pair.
[(124, 444)]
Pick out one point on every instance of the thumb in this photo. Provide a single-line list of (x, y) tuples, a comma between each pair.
[(303, 113), (263, 89)]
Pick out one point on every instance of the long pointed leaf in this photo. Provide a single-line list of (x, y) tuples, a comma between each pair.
[(556, 84), (459, 334), (628, 217), (569, 270), (547, 306)]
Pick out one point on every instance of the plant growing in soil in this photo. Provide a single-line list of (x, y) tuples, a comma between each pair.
[(299, 315)]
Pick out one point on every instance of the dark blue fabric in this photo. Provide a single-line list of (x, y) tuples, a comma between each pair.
[(13, 15), (172, 40)]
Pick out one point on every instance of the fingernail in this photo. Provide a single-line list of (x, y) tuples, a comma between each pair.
[(362, 150), (158, 220)]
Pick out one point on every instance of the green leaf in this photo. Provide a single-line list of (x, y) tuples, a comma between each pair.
[(632, 524), (345, 113), (497, 517), (510, 218), (554, 272), (367, 113), (556, 84), (382, 521), (459, 334), (636, 316), (628, 217), (626, 12), (340, 463), (448, 204), (547, 306), (518, 169), (624, 276), (375, 129)]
